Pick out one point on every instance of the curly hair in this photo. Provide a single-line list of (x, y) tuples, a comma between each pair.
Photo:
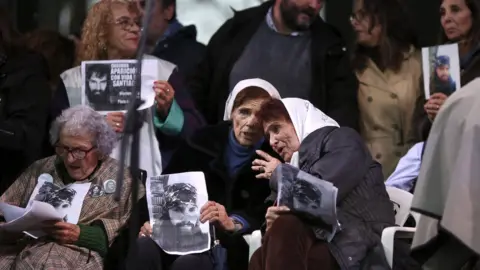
[(95, 31)]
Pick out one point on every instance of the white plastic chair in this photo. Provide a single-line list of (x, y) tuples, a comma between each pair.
[(254, 242), (402, 201)]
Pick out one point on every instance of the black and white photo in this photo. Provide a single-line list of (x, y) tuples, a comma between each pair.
[(311, 198), (66, 200), (441, 69), (108, 85), (174, 203)]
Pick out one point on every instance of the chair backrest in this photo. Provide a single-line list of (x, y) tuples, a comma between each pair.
[(402, 201)]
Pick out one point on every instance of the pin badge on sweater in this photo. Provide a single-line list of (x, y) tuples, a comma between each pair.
[(45, 177), (110, 186)]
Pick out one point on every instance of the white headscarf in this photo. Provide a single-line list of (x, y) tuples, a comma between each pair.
[(306, 119), (245, 84)]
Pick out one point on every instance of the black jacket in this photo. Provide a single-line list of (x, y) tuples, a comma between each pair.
[(334, 84), (243, 195), (339, 155), (24, 108), (182, 49)]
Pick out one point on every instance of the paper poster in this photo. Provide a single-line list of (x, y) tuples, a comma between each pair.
[(313, 199), (67, 200), (108, 86), (174, 203), (441, 69)]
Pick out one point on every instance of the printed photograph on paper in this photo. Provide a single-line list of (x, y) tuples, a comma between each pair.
[(309, 197), (174, 203), (108, 85), (441, 69), (67, 200)]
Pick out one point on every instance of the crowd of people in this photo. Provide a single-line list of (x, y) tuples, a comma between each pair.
[(275, 84)]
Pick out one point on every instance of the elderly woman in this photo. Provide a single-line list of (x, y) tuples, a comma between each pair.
[(111, 31), (224, 153), (83, 141), (309, 140)]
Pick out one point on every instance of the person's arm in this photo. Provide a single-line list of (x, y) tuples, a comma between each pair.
[(93, 237), (344, 159), (407, 169), (183, 118), (23, 127), (342, 89)]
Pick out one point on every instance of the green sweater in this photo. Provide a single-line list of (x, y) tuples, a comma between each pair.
[(94, 238)]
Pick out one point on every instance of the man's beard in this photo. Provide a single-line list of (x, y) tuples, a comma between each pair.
[(290, 14), (97, 92)]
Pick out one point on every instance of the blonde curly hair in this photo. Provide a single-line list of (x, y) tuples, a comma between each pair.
[(96, 30)]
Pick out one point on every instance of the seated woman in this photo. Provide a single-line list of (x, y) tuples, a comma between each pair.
[(83, 141), (311, 141), (224, 153)]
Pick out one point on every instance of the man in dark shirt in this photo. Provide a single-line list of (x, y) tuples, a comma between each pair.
[(442, 81), (169, 40), (286, 43)]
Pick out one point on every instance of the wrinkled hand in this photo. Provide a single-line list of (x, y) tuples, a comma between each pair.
[(164, 94), (146, 230), (265, 166), (433, 105), (216, 213), (116, 120), (273, 213), (62, 232)]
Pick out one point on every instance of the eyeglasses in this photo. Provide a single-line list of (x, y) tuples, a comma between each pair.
[(358, 16), (76, 152), (128, 24)]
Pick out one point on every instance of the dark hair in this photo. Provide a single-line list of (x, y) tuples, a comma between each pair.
[(250, 93), (396, 38), (97, 69), (59, 51), (168, 3), (8, 34), (474, 34), (273, 110), (306, 191)]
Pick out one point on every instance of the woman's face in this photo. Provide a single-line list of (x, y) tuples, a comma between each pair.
[(124, 31), (456, 19), (361, 26), (283, 138), (246, 125), (78, 154)]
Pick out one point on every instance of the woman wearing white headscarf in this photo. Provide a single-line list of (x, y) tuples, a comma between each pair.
[(310, 140), (224, 153)]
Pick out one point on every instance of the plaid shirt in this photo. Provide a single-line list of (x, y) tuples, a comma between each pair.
[(46, 254)]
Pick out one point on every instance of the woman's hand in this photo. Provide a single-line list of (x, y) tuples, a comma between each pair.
[(164, 94), (146, 230), (273, 213), (215, 213), (62, 232), (116, 120), (265, 166), (433, 105)]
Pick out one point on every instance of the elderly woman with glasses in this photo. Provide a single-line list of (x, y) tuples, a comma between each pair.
[(81, 174), (111, 31)]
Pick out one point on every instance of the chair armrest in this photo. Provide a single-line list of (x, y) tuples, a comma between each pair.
[(388, 237), (254, 241)]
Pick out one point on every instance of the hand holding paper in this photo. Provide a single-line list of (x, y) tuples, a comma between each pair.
[(62, 232)]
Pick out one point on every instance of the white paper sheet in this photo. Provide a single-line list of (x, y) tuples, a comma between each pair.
[(174, 203), (110, 89), (308, 196), (32, 218)]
